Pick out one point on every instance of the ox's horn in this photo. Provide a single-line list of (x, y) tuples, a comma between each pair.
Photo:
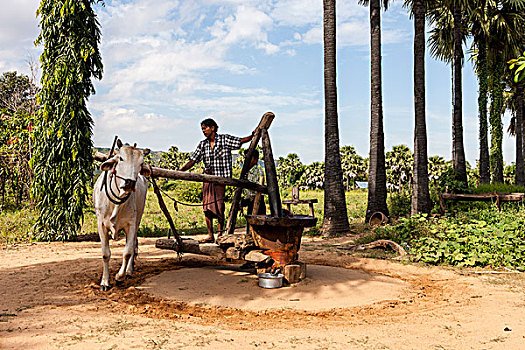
[(119, 143)]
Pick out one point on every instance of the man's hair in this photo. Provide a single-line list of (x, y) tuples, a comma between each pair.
[(210, 122)]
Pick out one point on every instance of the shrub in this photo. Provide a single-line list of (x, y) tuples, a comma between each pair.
[(448, 182), (185, 191), (497, 187), (478, 237), (399, 203)]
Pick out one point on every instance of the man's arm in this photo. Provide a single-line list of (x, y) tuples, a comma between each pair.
[(187, 165), (247, 138)]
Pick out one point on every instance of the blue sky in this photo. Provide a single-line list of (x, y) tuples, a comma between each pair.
[(170, 64)]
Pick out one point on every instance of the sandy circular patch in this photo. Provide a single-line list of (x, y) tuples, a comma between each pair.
[(324, 288)]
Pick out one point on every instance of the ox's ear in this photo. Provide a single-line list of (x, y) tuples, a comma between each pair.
[(119, 143), (145, 170), (108, 164), (146, 151)]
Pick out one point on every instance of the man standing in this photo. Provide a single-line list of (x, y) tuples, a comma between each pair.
[(215, 152)]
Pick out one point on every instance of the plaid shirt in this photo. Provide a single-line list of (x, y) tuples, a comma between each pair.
[(219, 159)]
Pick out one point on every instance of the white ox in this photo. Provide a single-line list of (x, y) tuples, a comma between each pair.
[(119, 205)]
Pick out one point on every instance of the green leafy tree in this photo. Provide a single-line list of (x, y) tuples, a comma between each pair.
[(399, 165), (173, 159), (354, 166), (509, 173), (70, 34), (17, 92), (239, 161), (17, 106), (437, 166), (289, 170), (518, 65), (313, 176)]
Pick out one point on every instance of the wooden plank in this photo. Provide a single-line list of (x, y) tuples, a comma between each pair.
[(271, 176), (256, 256), (264, 124), (191, 246), (299, 201)]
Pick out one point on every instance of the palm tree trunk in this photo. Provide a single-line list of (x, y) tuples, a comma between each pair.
[(457, 124), (520, 166), (421, 202), (496, 125), (483, 76), (377, 172), (335, 215)]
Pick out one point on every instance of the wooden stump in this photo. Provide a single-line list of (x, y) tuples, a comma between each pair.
[(292, 273), (302, 264)]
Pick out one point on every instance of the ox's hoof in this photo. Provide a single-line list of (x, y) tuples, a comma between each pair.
[(119, 282), (104, 288)]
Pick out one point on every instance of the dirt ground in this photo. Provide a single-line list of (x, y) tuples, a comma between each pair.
[(50, 300)]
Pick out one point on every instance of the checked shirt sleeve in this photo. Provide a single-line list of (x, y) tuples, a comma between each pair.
[(232, 142), (198, 153)]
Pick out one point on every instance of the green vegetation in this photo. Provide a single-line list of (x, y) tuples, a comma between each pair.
[(478, 237), (62, 156)]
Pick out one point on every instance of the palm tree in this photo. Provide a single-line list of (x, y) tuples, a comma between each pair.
[(335, 216), (504, 42), (446, 43), (479, 29), (421, 202), (377, 173), (518, 113)]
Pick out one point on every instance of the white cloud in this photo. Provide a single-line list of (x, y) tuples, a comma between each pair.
[(18, 30), (298, 12), (249, 25)]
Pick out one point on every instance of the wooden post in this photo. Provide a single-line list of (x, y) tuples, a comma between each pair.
[(265, 123), (162, 206), (271, 176)]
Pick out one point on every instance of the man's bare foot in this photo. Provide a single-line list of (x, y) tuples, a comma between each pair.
[(208, 239)]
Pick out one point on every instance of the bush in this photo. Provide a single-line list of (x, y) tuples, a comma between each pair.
[(478, 237), (449, 183), (497, 187), (185, 191), (399, 203)]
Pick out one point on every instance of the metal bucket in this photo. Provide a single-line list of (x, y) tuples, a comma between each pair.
[(268, 280)]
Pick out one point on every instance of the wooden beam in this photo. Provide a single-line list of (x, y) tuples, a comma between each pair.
[(227, 181), (264, 124), (183, 175), (271, 176)]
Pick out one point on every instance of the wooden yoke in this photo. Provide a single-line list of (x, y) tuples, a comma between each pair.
[(264, 124)]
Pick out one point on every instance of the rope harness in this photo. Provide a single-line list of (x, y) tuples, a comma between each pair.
[(115, 199)]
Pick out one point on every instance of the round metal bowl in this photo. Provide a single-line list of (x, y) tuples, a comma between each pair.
[(268, 280)]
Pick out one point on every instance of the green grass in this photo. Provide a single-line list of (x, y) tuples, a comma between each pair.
[(16, 225)]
